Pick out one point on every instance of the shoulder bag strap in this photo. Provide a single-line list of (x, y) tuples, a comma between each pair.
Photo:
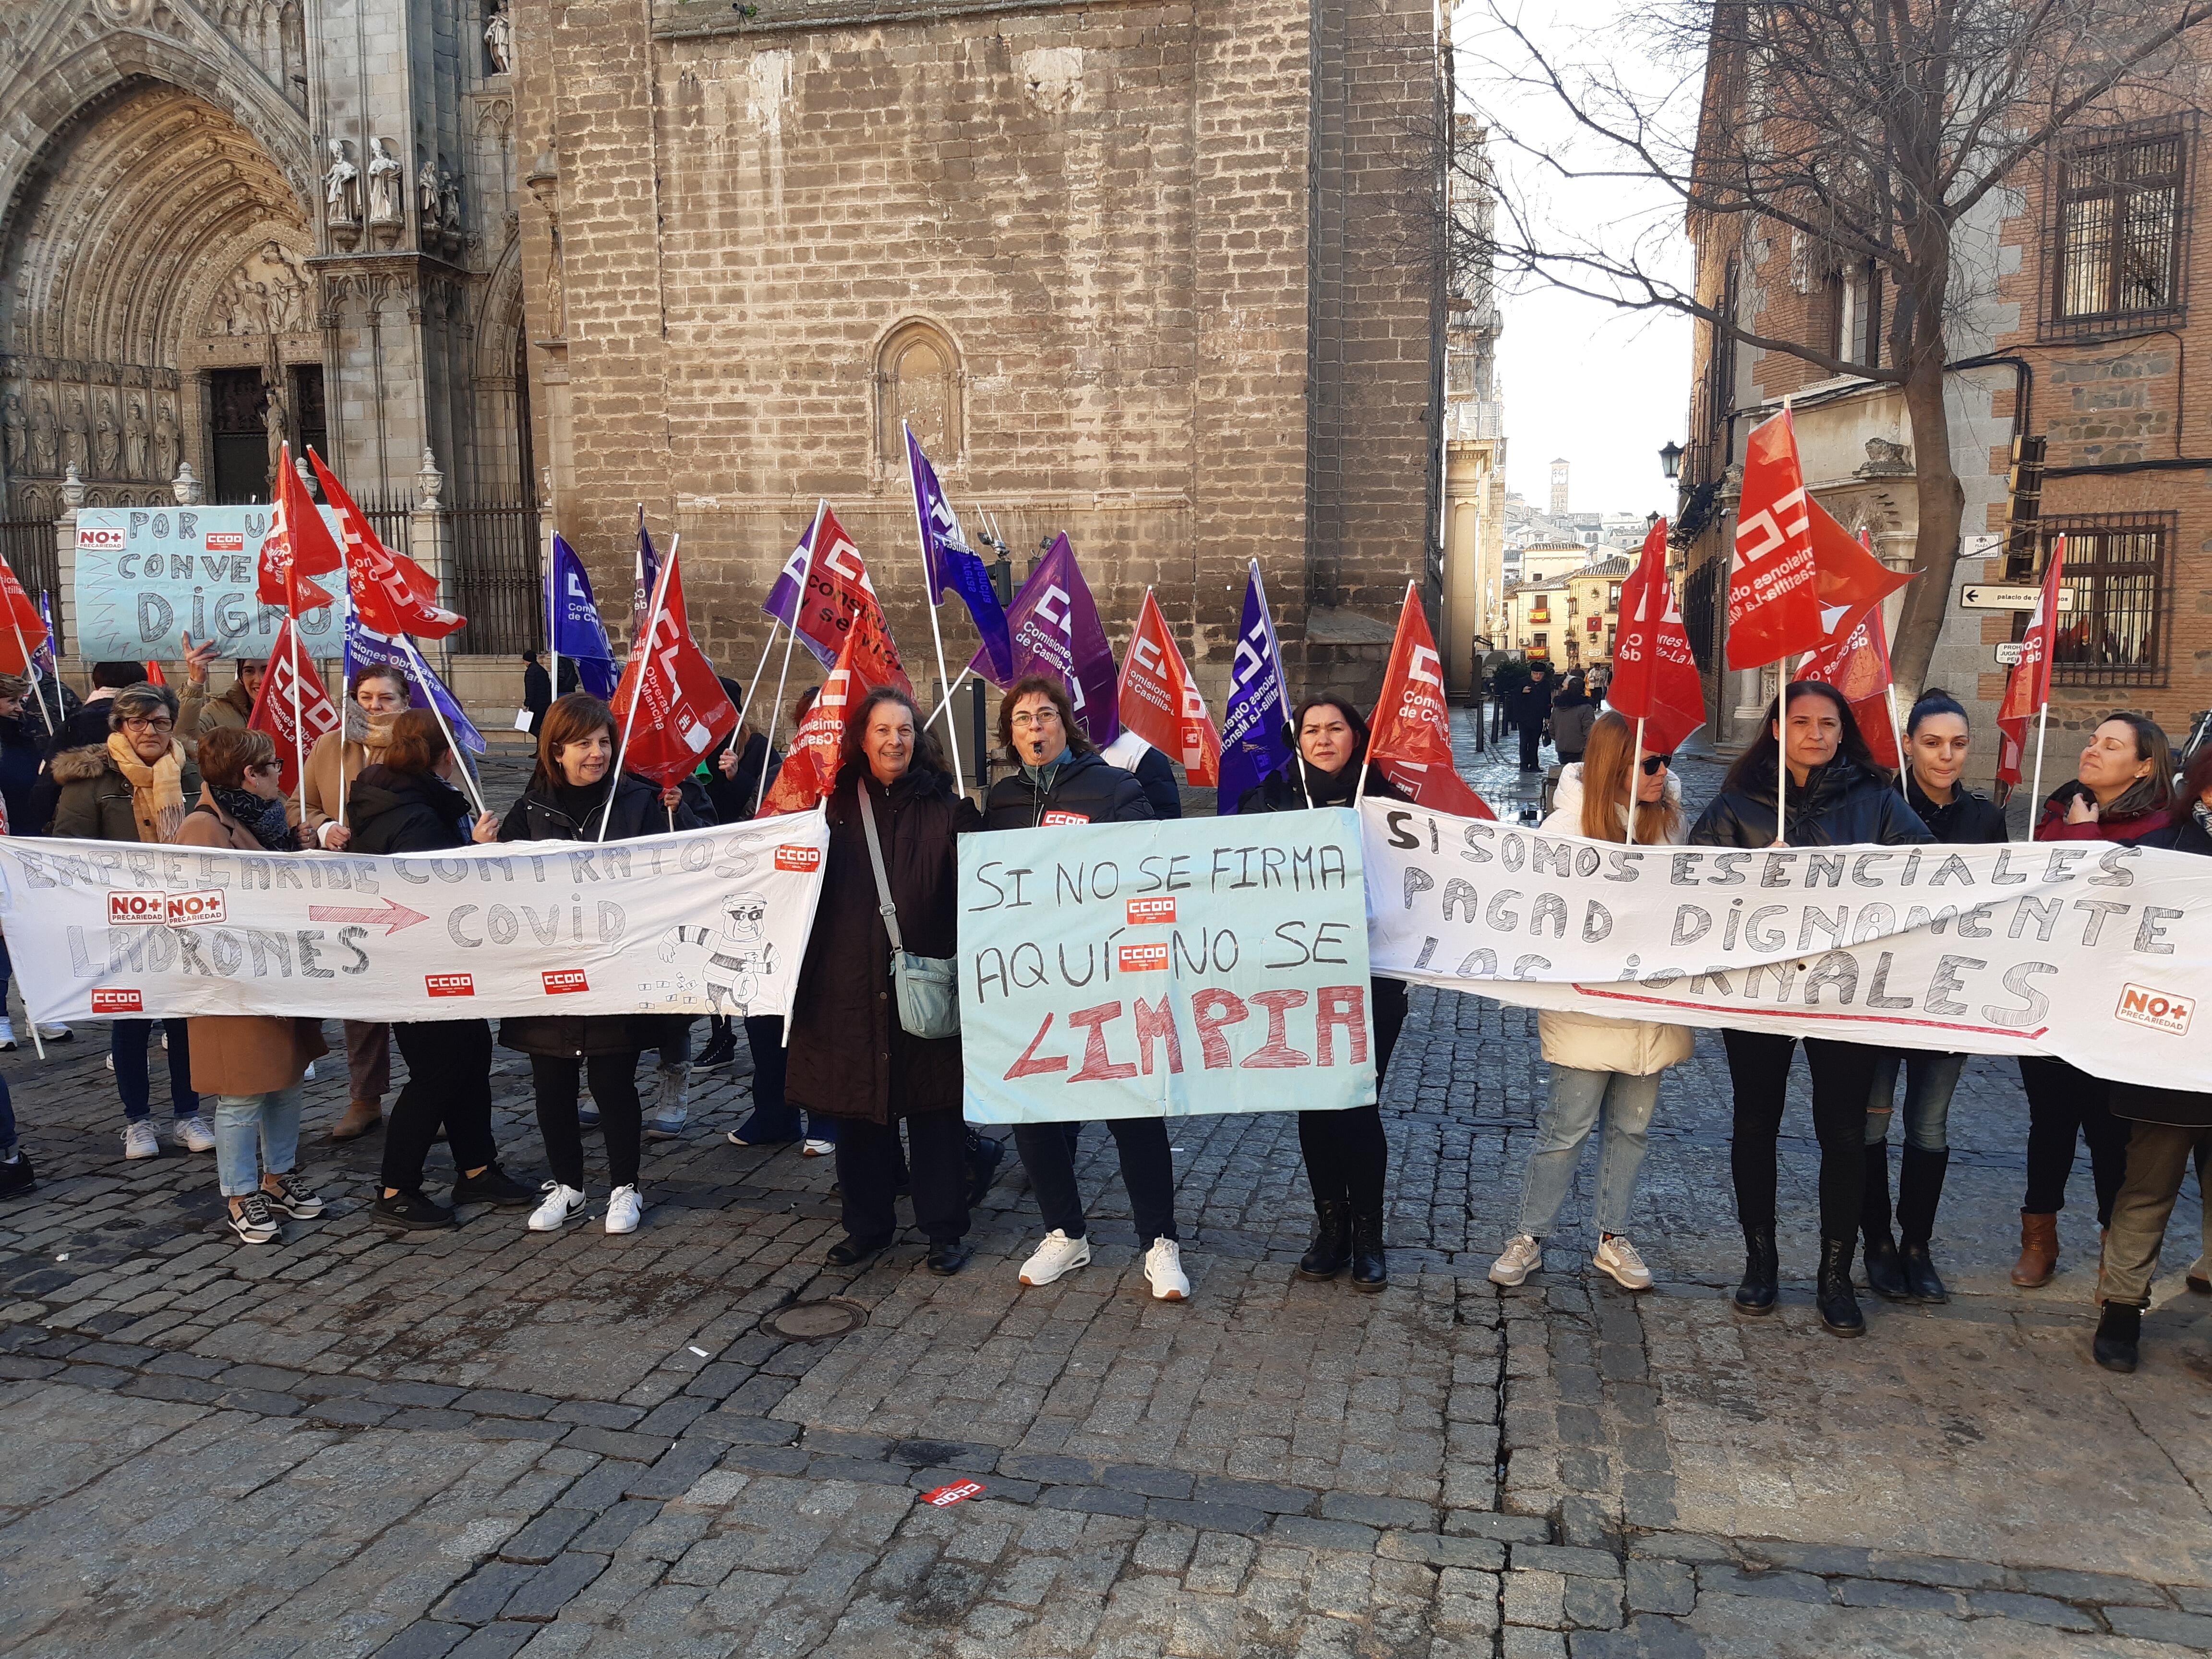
[(876, 857)]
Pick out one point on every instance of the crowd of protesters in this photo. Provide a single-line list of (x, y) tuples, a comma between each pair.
[(137, 763)]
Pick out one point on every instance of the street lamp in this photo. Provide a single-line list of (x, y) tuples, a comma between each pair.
[(1670, 460)]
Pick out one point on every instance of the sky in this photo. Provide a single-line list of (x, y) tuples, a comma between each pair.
[(1580, 379)]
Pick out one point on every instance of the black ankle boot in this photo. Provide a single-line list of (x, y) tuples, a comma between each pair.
[(1920, 1275), (1331, 1246), (1369, 1271), (1885, 1270), (1761, 1272), (2118, 1330), (1840, 1306)]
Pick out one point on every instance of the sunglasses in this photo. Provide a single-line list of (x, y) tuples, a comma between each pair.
[(267, 766), (1655, 764)]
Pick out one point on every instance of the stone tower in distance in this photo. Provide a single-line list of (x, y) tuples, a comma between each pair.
[(1558, 489)]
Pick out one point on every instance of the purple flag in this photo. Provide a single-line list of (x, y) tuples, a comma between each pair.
[(948, 560), (578, 633), (1055, 630), (782, 601), (644, 574), (424, 689), (1252, 741)]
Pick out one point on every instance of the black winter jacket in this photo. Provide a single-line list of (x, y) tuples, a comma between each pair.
[(1083, 787), (20, 753), (391, 811), (1969, 820), (733, 796), (1840, 804), (1529, 705), (1155, 773), (1280, 791)]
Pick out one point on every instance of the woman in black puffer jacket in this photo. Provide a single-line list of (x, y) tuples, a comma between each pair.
[(1836, 797)]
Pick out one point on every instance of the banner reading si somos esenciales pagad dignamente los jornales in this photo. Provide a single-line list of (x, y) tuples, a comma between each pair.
[(2096, 952), (699, 921)]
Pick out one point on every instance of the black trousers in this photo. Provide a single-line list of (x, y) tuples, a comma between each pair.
[(1347, 1155), (1047, 1152), (1842, 1075), (868, 1172), (2064, 1101), (449, 1083), (1532, 739), (614, 1088)]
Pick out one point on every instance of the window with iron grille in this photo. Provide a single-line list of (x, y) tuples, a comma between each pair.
[(2115, 571), (2118, 232)]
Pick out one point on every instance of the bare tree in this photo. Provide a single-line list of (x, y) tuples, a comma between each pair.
[(1868, 131)]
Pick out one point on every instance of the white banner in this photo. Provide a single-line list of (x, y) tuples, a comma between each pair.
[(707, 921), (2092, 952)]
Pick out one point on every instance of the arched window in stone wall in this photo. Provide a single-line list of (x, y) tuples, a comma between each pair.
[(919, 379)]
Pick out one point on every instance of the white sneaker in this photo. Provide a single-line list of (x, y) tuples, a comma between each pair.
[(562, 1204), (56, 1033), (817, 1149), (1164, 1269), (308, 1076), (139, 1139), (623, 1207), (164, 1039), (1617, 1256), (110, 1062), (192, 1134), (1058, 1255), (7, 1036), (1523, 1256)]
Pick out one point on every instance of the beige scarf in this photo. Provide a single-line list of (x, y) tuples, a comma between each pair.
[(157, 792)]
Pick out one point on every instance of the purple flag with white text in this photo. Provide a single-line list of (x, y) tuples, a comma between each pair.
[(364, 646), (578, 633), (1054, 629), (949, 562), (782, 601), (1253, 744)]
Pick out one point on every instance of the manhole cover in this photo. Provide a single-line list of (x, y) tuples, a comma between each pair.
[(815, 1322)]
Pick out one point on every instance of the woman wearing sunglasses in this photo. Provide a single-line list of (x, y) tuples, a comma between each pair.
[(1601, 1065)]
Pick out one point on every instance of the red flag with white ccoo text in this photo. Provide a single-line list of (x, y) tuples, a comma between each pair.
[(1774, 595), (1411, 740), (273, 705), (1160, 703), (1655, 677), (810, 769), (298, 544), (2028, 689), (23, 630), (669, 699), (1856, 662), (392, 594), (834, 598)]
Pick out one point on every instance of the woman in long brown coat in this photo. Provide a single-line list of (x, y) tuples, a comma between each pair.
[(850, 1058), (252, 1065)]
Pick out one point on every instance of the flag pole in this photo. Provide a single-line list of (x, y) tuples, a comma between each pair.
[(936, 632), (961, 680), (2035, 798), (299, 725), (752, 685), (345, 695), (1782, 754), (641, 653), (31, 671), (1635, 772), (553, 614), (1283, 684), (1359, 785), (776, 709), (1897, 736), (467, 770)]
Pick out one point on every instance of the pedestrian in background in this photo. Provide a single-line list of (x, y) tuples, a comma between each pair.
[(536, 690), (1601, 1067), (135, 788), (251, 1064), (2121, 791), (1573, 714), (1528, 709), (1347, 1155), (1837, 797)]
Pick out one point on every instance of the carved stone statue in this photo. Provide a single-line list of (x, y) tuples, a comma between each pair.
[(449, 200), (76, 435), (45, 459), (427, 182), (385, 184), (165, 437), (342, 187), (107, 437), (16, 427), (499, 37), (273, 414), (134, 439)]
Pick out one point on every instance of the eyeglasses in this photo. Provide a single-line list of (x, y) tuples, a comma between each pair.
[(1655, 764), (159, 724), (1042, 717)]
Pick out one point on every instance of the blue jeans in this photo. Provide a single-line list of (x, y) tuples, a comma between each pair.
[(1566, 1123), (128, 1044), (773, 1117), (1930, 1079), (254, 1133)]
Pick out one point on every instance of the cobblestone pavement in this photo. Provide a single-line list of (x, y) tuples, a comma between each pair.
[(490, 1442)]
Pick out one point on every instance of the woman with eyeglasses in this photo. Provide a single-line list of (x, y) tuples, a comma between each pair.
[(134, 788), (1599, 1065), (1938, 740), (1837, 797)]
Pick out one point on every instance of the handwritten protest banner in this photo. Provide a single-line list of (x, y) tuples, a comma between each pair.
[(1151, 970), (702, 921), (2095, 952), (146, 576)]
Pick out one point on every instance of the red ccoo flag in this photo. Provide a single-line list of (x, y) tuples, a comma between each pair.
[(810, 770), (1655, 677), (1411, 741), (1774, 598), (1856, 662), (153, 674), (273, 704), (1161, 704), (834, 598), (23, 629), (2028, 689), (392, 594), (298, 544), (1849, 578), (674, 707)]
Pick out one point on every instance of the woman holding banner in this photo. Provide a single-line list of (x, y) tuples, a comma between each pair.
[(404, 802), (2121, 791), (1937, 739), (252, 1065), (1837, 797), (894, 822), (569, 800), (1346, 1156), (1061, 779), (1612, 1066)]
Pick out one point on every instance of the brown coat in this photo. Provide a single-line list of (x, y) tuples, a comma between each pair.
[(233, 709), (243, 1053), (94, 802)]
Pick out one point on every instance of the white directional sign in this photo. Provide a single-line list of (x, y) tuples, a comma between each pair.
[(2008, 653), (1991, 596)]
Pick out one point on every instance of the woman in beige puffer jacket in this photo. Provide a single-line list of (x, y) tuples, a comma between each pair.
[(1600, 1065)]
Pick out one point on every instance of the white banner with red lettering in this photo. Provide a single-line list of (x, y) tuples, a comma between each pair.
[(701, 921), (2095, 952)]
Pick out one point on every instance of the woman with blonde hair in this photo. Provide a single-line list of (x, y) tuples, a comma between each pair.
[(1601, 1065)]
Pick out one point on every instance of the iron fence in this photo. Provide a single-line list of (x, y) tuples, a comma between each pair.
[(496, 577), (27, 545)]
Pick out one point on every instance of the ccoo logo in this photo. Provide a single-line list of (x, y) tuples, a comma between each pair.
[(1141, 958), (788, 857), (449, 985), (1141, 911), (560, 982), (117, 1002)]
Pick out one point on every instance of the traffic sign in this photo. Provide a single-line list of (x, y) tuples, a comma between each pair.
[(1991, 596)]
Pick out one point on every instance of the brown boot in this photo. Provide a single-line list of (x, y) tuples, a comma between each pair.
[(2038, 1249), (362, 1117)]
